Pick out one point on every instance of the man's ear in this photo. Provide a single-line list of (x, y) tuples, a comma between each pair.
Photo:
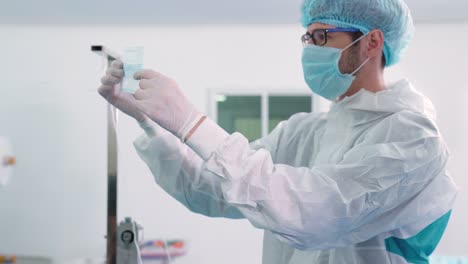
[(375, 40)]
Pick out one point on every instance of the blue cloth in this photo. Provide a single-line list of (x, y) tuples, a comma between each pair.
[(392, 17), (418, 248)]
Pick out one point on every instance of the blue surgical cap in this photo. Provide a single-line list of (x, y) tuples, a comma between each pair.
[(392, 17)]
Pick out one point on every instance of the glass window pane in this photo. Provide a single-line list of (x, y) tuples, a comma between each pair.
[(283, 107), (240, 114)]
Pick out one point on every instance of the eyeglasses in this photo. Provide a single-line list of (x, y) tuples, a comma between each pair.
[(319, 37)]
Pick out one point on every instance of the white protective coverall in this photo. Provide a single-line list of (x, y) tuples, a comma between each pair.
[(364, 183)]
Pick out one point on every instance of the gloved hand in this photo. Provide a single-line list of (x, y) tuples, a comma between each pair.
[(161, 99), (110, 90)]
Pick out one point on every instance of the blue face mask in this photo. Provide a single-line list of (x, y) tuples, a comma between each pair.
[(322, 73)]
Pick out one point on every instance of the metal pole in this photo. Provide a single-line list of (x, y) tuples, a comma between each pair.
[(111, 255), (111, 185)]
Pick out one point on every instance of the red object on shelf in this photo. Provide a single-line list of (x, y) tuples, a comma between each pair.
[(162, 250)]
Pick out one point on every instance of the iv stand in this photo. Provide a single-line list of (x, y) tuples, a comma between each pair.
[(111, 255)]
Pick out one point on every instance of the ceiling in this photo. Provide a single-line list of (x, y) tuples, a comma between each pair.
[(181, 12)]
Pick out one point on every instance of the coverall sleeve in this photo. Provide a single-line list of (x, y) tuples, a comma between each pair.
[(178, 170), (327, 206)]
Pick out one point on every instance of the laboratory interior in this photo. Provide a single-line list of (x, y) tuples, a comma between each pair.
[(247, 131)]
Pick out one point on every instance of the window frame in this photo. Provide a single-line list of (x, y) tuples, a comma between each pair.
[(264, 94)]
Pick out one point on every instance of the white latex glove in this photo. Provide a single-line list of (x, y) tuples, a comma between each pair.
[(161, 99), (110, 90)]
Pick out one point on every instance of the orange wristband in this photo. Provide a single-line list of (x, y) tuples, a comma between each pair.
[(194, 128)]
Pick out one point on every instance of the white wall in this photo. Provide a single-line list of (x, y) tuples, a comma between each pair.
[(56, 203)]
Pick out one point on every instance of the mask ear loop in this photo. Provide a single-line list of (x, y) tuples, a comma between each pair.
[(365, 62), (362, 65), (352, 43)]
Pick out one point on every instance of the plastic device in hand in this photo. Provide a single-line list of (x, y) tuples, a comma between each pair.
[(133, 62)]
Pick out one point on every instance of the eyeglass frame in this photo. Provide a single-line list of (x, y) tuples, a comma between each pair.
[(325, 31)]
